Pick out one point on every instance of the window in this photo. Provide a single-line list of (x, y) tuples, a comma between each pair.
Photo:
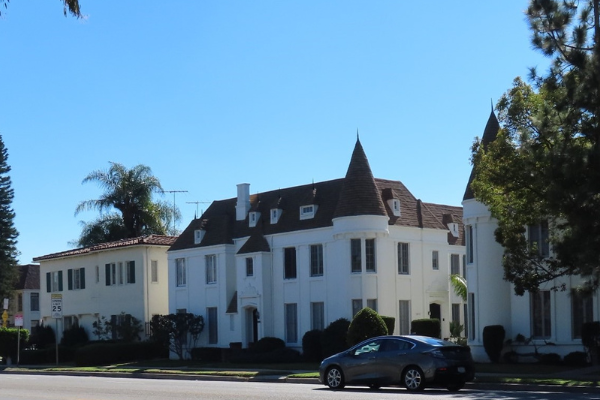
[(395, 206), (69, 322), (538, 238), (249, 266), (372, 304), (118, 323), (275, 214), (540, 314), (76, 278), (466, 324), (355, 255), (54, 281), (316, 260), (180, 271), (404, 317), (357, 305), (454, 264), (582, 311), (464, 266), (110, 274), (289, 263), (35, 302), (456, 313), (130, 278), (370, 255), (471, 320), (198, 235), (19, 301), (435, 260), (403, 259), (211, 268), (469, 241), (154, 271), (120, 273), (307, 212), (317, 315), (291, 323), (213, 331), (253, 218)]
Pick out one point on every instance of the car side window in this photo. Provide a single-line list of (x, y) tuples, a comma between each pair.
[(371, 347), (397, 345)]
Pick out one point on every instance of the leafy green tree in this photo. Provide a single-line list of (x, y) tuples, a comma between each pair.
[(459, 284), (126, 207), (179, 332), (8, 233), (72, 6), (365, 325), (544, 165)]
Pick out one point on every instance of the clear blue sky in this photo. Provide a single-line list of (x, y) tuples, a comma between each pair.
[(214, 93)]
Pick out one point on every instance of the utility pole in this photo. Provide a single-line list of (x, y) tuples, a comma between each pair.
[(174, 192)]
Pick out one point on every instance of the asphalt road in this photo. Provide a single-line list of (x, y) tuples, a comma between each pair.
[(44, 387)]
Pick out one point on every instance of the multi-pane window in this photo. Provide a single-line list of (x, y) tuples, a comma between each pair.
[(370, 255), (35, 302), (291, 323), (404, 317), (372, 304), (180, 271), (466, 314), (110, 274), (211, 268), (154, 271), (76, 278), (97, 274), (19, 301), (357, 305), (130, 270), (317, 315), (213, 327), (469, 241), (454, 264), (582, 311), (355, 255), (403, 259), (538, 238), (289, 263), (456, 312), (471, 320), (54, 281), (249, 266), (435, 260), (316, 260), (120, 273), (541, 320)]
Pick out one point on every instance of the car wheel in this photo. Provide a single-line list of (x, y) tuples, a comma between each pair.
[(335, 378), (374, 386), (413, 379), (455, 387)]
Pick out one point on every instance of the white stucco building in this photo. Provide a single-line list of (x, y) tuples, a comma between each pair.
[(26, 298), (127, 276), (283, 262), (547, 316)]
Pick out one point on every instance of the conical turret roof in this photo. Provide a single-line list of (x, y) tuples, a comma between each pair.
[(359, 194)]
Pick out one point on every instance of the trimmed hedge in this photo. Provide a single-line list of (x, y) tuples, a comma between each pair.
[(390, 323), (493, 341), (576, 359), (311, 345), (208, 354), (9, 337), (365, 325), (277, 356), (426, 327), (268, 344), (101, 353), (334, 337)]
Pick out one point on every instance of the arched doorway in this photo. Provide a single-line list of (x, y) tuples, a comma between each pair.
[(435, 311)]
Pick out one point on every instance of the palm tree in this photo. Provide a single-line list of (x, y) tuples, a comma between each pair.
[(129, 191), (459, 284)]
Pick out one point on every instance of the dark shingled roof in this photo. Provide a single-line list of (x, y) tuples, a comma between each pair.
[(220, 225), (489, 135), (155, 240), (29, 277)]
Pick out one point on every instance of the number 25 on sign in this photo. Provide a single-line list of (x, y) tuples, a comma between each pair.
[(57, 311)]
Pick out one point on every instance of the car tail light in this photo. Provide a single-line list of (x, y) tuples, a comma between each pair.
[(437, 354)]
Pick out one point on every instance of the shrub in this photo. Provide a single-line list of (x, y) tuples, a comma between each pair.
[(426, 327), (277, 356), (74, 336), (390, 323), (103, 353), (311, 345), (365, 325), (590, 338), (550, 359), (268, 344), (42, 337), (9, 337), (210, 354), (493, 341), (576, 359), (333, 339)]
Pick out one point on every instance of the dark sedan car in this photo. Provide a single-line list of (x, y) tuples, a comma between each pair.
[(411, 361)]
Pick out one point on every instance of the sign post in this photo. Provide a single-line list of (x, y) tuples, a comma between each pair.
[(57, 313), (19, 323), (5, 314)]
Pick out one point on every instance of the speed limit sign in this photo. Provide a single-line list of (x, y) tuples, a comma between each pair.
[(56, 304)]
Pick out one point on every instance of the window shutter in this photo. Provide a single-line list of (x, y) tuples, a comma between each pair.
[(131, 271), (82, 278), (48, 282), (70, 279), (60, 282), (107, 270)]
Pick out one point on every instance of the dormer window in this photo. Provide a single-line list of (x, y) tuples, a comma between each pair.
[(198, 235), (453, 227), (253, 218), (308, 212), (275, 214), (395, 206)]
